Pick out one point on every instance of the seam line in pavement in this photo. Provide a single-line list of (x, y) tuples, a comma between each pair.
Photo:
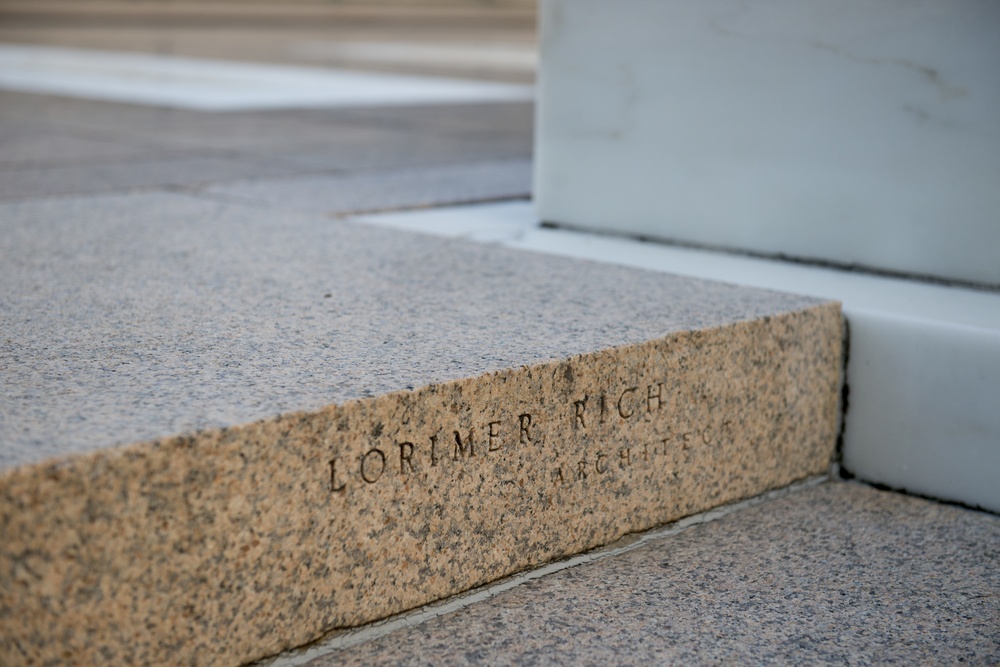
[(346, 638)]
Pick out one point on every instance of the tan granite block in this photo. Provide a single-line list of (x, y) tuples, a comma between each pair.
[(228, 545)]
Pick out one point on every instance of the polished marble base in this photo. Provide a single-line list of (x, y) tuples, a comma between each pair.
[(857, 133)]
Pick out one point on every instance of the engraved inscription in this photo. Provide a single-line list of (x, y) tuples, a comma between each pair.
[(628, 403), (336, 485), (652, 395), (493, 436), (462, 447), (589, 416), (372, 465), (627, 411), (579, 408), (525, 421), (405, 457), (436, 450)]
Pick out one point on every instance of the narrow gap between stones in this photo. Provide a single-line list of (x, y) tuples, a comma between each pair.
[(341, 638)]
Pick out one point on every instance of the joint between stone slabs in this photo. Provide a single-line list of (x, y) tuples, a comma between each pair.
[(345, 638), (844, 398)]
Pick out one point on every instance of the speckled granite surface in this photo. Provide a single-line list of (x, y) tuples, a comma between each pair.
[(129, 318), (448, 414), (840, 574)]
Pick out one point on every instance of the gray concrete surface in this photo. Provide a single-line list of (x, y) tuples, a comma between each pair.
[(840, 574)]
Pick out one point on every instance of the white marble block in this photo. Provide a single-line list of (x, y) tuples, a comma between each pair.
[(857, 132)]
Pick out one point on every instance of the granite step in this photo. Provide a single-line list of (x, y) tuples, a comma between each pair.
[(228, 431)]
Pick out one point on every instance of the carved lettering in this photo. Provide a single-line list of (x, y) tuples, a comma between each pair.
[(626, 457), (658, 396), (525, 423), (499, 431), (405, 457), (493, 436), (462, 447), (372, 465), (579, 407), (558, 476), (621, 399), (334, 486)]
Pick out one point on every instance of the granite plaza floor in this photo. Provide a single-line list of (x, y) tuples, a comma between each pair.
[(838, 573), (835, 573)]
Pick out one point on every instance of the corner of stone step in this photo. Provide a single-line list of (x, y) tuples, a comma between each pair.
[(225, 545)]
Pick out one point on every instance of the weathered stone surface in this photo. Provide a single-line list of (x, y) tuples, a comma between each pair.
[(480, 411)]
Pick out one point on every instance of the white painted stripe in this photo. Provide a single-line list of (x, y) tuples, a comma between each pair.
[(212, 85), (924, 371)]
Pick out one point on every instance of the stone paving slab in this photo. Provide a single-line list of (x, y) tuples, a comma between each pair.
[(239, 131), (454, 129), (344, 144), (160, 172), (837, 574), (320, 424), (406, 151), (57, 146), (166, 127), (384, 189), (510, 119), (24, 144), (85, 114)]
